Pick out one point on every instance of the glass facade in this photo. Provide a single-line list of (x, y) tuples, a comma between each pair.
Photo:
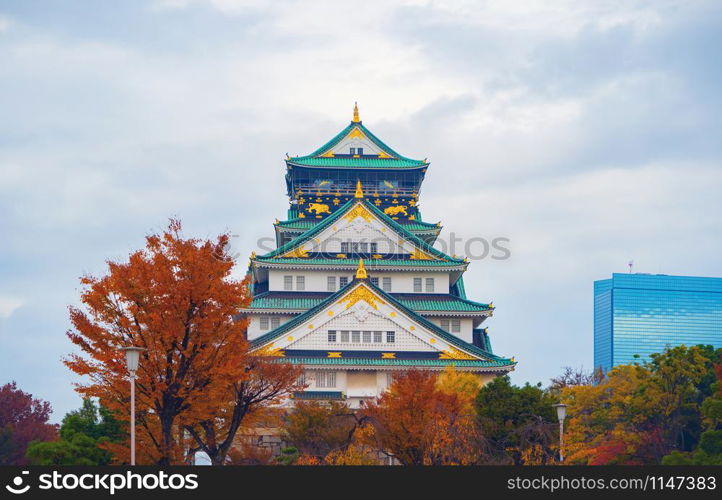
[(639, 314)]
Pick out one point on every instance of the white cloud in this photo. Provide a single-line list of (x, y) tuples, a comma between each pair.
[(8, 305)]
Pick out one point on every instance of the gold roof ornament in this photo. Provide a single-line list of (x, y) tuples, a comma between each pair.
[(359, 190), (355, 113), (361, 271)]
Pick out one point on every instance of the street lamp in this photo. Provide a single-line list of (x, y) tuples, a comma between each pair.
[(561, 415), (132, 359)]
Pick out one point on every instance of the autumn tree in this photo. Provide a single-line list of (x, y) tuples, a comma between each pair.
[(419, 424), (23, 419), (464, 385), (317, 429), (572, 377), (175, 298), (641, 412), (519, 423), (266, 382)]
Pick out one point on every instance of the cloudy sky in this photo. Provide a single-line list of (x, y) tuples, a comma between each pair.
[(588, 133)]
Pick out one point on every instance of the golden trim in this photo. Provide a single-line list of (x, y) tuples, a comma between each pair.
[(269, 350), (361, 271), (356, 133), (362, 293), (333, 354), (454, 353), (359, 190), (388, 355), (296, 253), (400, 209), (420, 255), (355, 113), (358, 211)]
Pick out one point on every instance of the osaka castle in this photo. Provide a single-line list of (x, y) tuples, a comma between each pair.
[(355, 290)]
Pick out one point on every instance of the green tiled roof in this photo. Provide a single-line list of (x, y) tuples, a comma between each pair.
[(370, 263), (298, 223), (328, 221), (396, 160), (310, 161), (421, 226), (423, 302), (492, 363), (438, 331)]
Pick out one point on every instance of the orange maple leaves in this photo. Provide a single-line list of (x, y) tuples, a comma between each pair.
[(177, 299)]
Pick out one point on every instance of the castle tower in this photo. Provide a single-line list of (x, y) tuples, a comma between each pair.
[(355, 291)]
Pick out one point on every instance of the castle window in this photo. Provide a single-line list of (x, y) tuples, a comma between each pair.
[(288, 282), (417, 285), (373, 247), (353, 151), (360, 151), (344, 247), (342, 281), (367, 337), (331, 283), (455, 325), (300, 282), (377, 338), (390, 337), (275, 322), (445, 324), (364, 247), (386, 284), (355, 337), (332, 335), (344, 336), (429, 285), (375, 281), (264, 323), (325, 379)]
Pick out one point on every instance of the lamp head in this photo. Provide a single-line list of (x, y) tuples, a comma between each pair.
[(132, 357), (561, 411)]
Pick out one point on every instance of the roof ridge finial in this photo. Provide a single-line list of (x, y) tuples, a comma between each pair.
[(359, 190), (356, 119), (361, 271)]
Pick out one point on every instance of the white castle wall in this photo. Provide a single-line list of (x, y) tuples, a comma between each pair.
[(318, 338), (317, 281)]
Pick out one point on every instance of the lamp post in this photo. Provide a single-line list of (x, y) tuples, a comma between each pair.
[(132, 359), (561, 415)]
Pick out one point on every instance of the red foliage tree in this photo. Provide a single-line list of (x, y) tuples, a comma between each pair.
[(419, 424), (176, 299), (23, 419)]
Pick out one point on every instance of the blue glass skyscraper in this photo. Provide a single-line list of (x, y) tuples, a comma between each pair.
[(639, 314)]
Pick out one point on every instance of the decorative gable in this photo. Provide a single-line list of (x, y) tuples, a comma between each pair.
[(359, 225), (361, 308)]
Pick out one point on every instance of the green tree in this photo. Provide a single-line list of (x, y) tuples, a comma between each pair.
[(642, 411), (518, 422), (709, 449), (82, 436)]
